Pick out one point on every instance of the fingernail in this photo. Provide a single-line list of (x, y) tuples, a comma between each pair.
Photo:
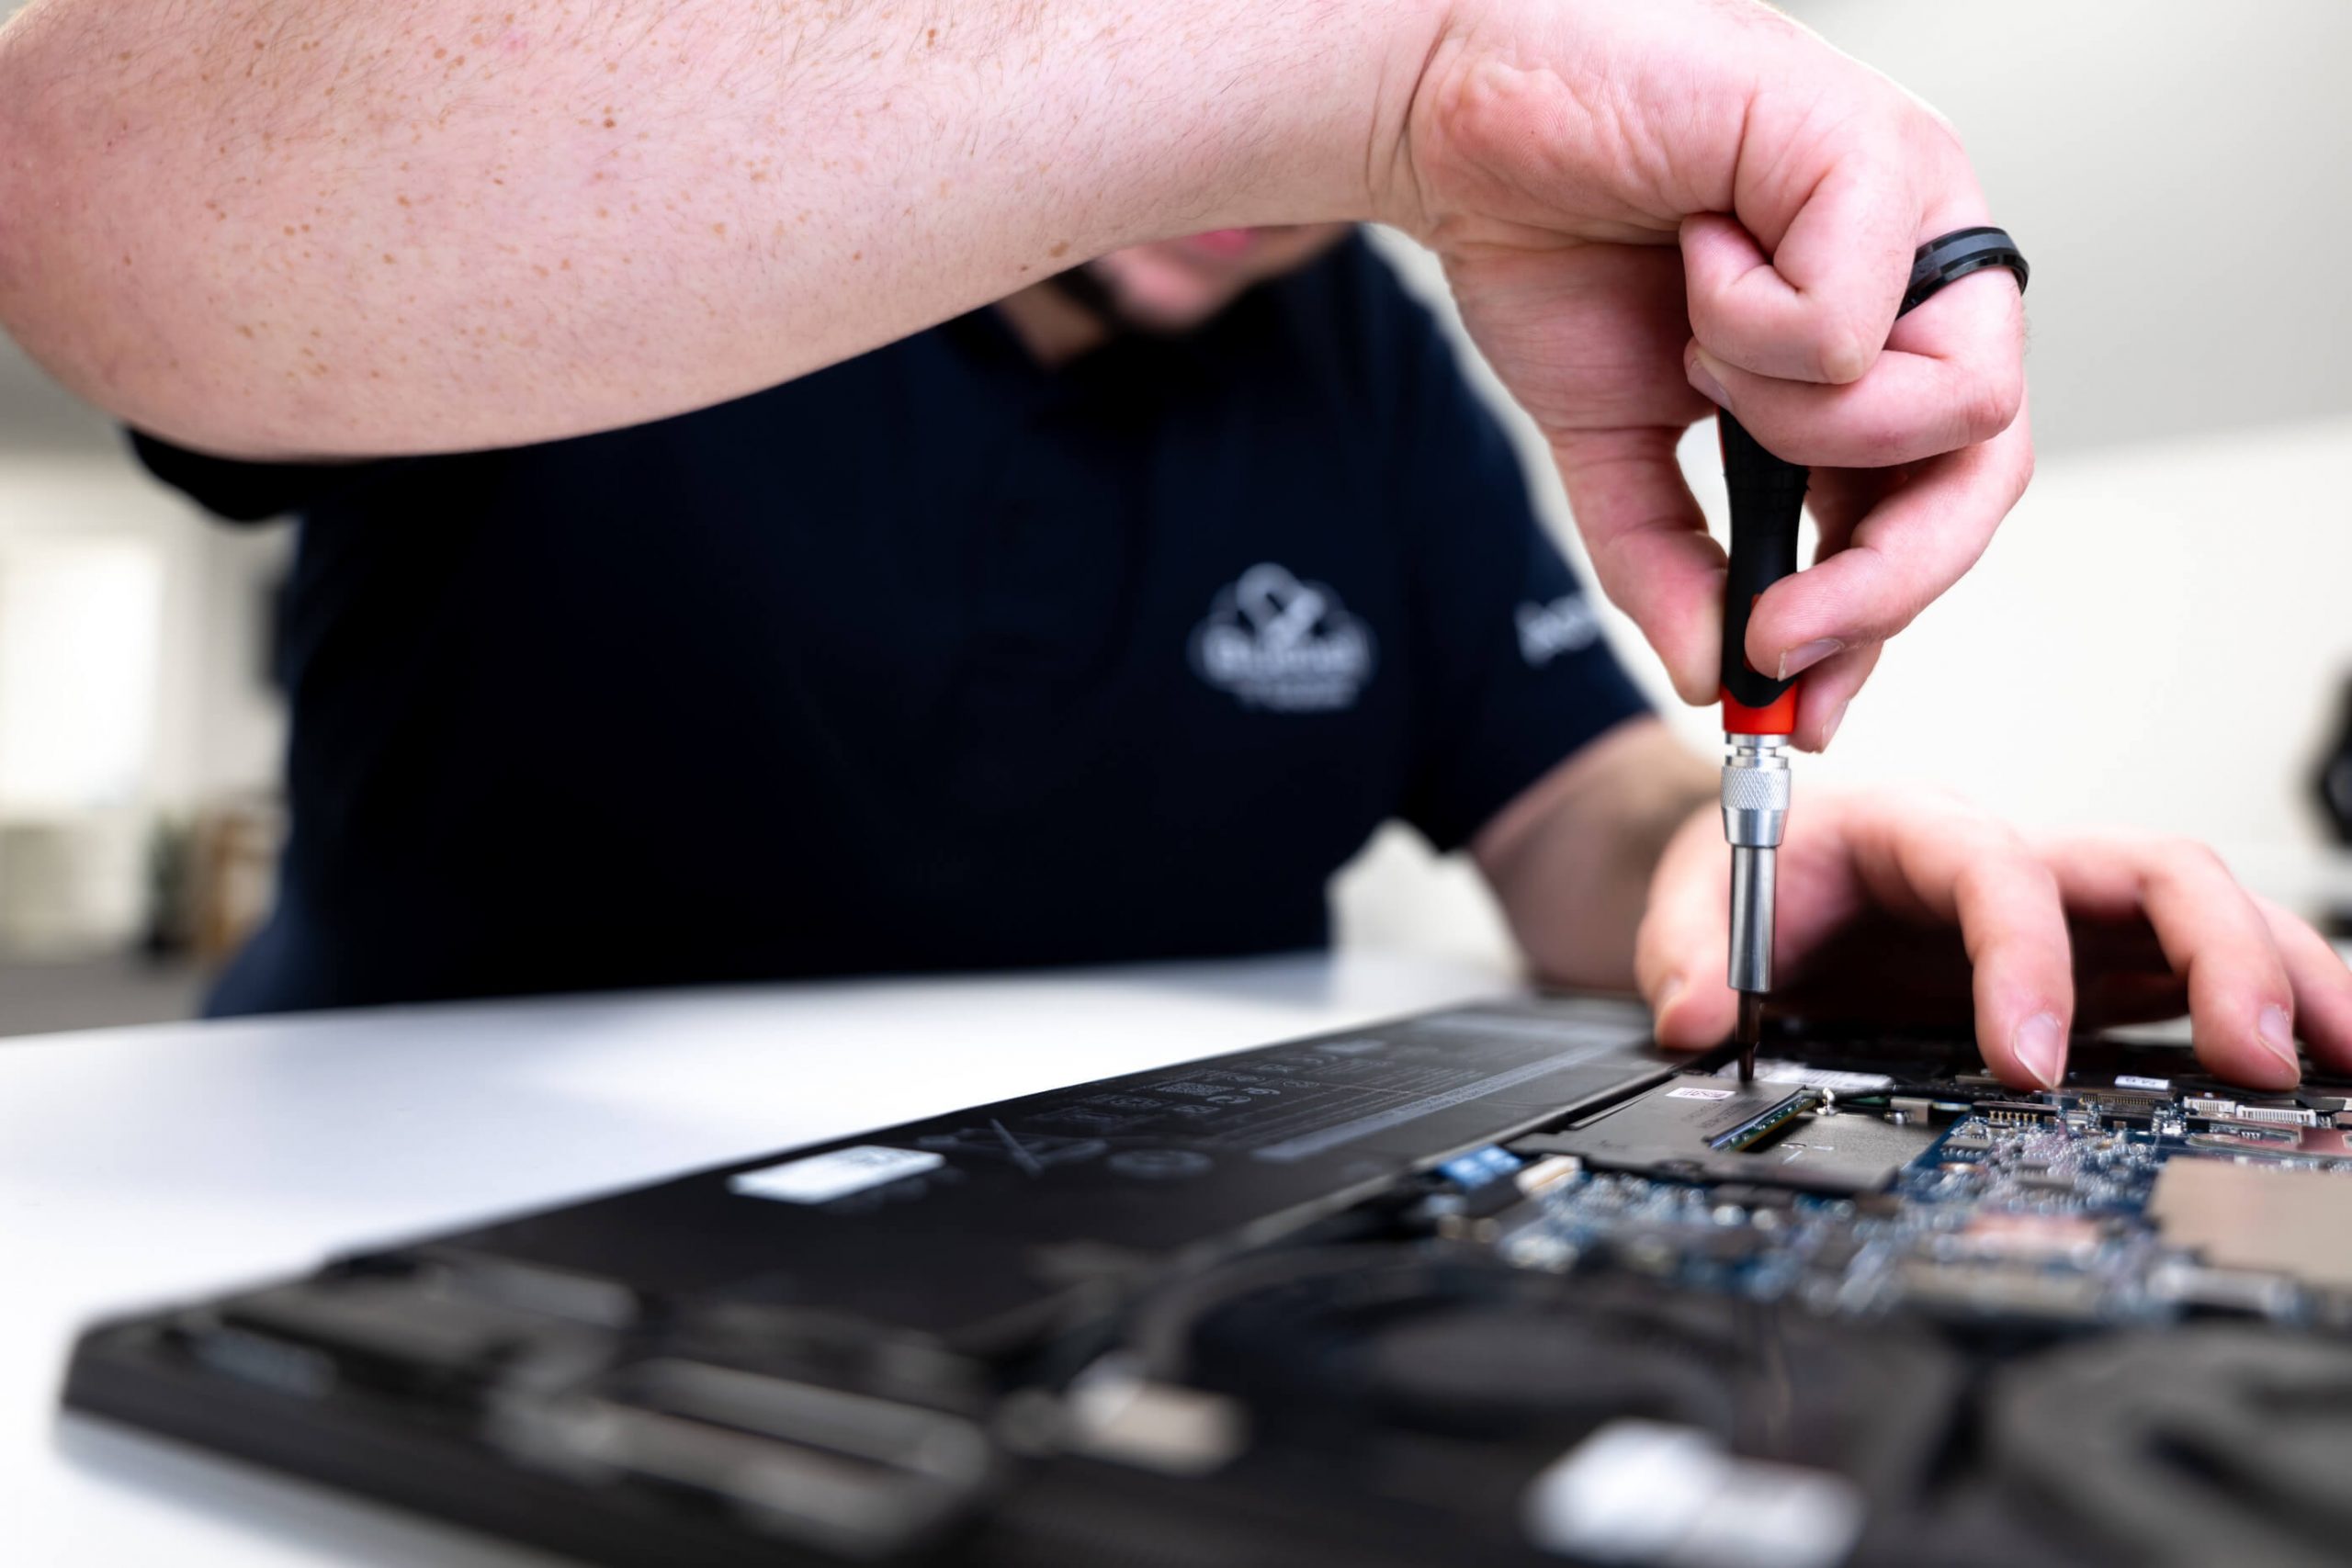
[(2276, 1032), (1703, 375), (1829, 730), (2040, 1045), (1805, 656)]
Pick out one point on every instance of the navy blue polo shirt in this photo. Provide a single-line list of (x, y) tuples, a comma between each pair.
[(932, 659)]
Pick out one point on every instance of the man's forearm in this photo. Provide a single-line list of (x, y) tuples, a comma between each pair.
[(348, 228), (1572, 858)]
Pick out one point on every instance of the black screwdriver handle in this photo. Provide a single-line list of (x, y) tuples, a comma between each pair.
[(1767, 502), (1767, 492)]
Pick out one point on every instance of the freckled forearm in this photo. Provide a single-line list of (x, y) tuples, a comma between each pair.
[(336, 229)]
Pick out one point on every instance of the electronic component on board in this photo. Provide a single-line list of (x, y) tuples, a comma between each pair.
[(2293, 1219), (1765, 1132)]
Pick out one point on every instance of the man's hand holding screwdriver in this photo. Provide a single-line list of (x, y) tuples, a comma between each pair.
[(1648, 211)]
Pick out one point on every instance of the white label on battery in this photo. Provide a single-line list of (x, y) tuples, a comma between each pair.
[(1768, 1071), (2125, 1080), (820, 1178), (1687, 1093)]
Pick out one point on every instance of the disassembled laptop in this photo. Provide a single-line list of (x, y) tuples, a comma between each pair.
[(1500, 1284)]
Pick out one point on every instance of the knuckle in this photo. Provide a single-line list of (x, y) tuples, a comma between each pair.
[(2016, 468), (1887, 596), (2135, 848), (1876, 436), (1991, 403), (1915, 591), (1995, 852), (1921, 124), (1953, 805), (2192, 857), (1715, 307), (1705, 306), (1896, 618)]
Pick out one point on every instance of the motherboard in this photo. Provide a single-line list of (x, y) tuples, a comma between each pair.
[(2116, 1206), (1504, 1284)]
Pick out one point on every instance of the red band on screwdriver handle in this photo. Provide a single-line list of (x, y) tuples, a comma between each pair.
[(1776, 717)]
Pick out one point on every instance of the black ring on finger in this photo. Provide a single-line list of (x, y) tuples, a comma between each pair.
[(1953, 256)]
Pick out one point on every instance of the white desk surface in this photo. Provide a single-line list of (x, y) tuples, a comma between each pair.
[(142, 1166)]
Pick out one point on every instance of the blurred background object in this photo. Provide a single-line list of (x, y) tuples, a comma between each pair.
[(2160, 637), (2334, 778), (2333, 781), (134, 691)]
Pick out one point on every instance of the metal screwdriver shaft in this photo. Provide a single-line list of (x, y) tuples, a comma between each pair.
[(1756, 810)]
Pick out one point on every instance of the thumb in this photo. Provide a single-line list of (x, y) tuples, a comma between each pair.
[(1681, 950)]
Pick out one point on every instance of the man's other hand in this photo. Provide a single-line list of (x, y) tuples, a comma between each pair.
[(1915, 908), (1650, 209)]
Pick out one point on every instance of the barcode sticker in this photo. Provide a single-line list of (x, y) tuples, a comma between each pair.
[(2125, 1080), (1698, 1094), (820, 1178)]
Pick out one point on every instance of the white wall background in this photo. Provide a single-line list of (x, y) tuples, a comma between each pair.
[(2177, 170)]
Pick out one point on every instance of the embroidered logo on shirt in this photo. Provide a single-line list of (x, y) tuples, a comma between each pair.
[(1277, 643), (1567, 625)]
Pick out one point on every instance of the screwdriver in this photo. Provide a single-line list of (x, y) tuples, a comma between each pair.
[(1759, 713)]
